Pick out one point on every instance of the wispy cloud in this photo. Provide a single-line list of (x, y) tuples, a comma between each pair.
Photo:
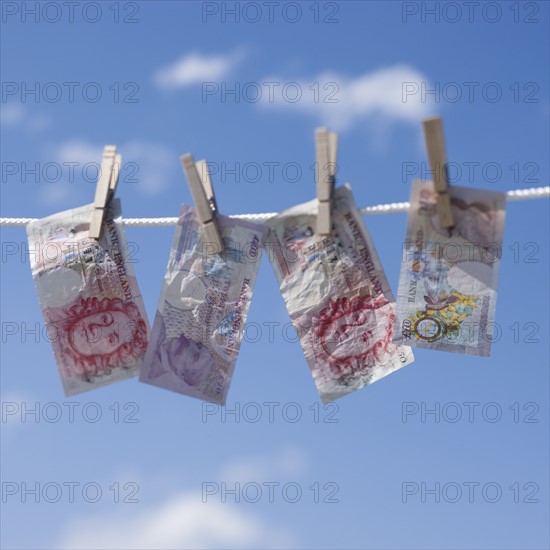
[(292, 462), (183, 521), (14, 115), (77, 150), (195, 68), (145, 165), (13, 403), (155, 164), (72, 151), (341, 101), (11, 114), (56, 193)]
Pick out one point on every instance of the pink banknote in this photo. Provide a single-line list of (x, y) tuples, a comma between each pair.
[(202, 309), (89, 296), (337, 295)]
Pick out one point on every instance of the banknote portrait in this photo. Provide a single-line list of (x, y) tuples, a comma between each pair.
[(189, 361), (337, 296), (92, 305), (96, 336), (202, 308), (351, 337)]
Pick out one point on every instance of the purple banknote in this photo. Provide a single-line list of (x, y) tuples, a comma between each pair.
[(202, 309)]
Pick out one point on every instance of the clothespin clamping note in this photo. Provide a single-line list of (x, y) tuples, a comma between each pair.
[(326, 149), (435, 144), (205, 200), (106, 187)]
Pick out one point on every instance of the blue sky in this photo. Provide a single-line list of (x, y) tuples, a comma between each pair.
[(150, 62)]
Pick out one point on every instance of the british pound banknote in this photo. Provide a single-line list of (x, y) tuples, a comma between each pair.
[(202, 309), (337, 295), (89, 296), (448, 283)]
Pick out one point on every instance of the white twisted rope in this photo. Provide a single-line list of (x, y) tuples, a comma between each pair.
[(515, 195)]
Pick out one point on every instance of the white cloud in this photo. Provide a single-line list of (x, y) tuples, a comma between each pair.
[(73, 151), (14, 115), (78, 151), (195, 68), (11, 114), (154, 162), (340, 101), (13, 406), (55, 193), (146, 166), (290, 462), (184, 521)]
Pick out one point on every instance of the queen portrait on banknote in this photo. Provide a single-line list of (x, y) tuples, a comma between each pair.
[(92, 306), (337, 328), (180, 358), (337, 295), (97, 336)]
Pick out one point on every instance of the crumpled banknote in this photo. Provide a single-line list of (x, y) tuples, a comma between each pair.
[(89, 296), (202, 309), (448, 282), (337, 295)]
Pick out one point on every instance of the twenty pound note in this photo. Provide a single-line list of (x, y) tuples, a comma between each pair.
[(337, 295), (89, 296), (448, 283), (202, 309)]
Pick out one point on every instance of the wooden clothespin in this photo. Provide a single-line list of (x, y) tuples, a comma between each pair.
[(105, 189), (326, 148), (205, 200), (435, 144)]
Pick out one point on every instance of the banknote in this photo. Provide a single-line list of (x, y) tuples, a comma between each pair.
[(337, 295), (89, 296), (448, 283), (202, 309)]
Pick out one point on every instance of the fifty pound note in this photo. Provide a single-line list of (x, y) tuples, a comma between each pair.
[(202, 309), (89, 296), (448, 283), (337, 295)]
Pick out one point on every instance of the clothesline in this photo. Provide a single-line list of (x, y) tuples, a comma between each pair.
[(514, 195)]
